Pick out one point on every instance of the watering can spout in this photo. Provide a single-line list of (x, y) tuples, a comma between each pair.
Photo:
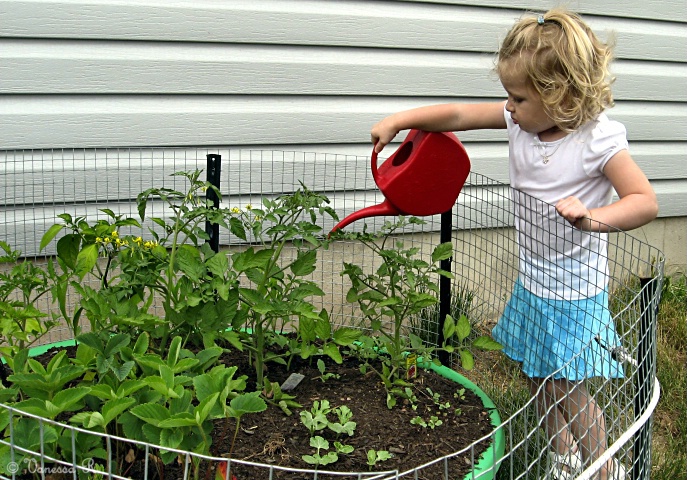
[(384, 208)]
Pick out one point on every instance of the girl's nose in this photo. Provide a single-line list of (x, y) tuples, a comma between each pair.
[(509, 106)]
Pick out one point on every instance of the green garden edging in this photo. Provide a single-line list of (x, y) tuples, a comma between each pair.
[(488, 464)]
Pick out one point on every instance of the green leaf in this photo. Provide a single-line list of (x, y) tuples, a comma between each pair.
[(172, 438), (122, 371), (304, 264), (50, 235), (152, 413), (179, 420), (218, 264), (86, 260), (443, 251), (66, 399), (345, 336), (487, 343), (341, 448), (92, 340), (463, 328), (113, 408), (323, 328), (202, 411), (189, 262), (466, 359), (116, 343), (174, 350), (352, 295), (142, 343), (68, 249), (332, 351), (449, 327), (236, 227), (319, 442), (247, 403)]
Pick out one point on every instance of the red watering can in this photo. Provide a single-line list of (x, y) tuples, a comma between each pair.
[(423, 177)]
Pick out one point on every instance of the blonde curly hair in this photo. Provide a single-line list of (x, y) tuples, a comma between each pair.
[(564, 61)]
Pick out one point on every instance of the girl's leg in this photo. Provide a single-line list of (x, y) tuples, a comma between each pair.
[(585, 419), (551, 412)]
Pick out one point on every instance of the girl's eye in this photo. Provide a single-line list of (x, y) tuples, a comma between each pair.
[(518, 100)]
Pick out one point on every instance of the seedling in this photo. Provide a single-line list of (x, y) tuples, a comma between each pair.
[(344, 425), (321, 444), (315, 419), (375, 456), (324, 376), (432, 423)]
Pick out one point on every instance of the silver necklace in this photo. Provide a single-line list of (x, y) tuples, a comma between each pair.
[(541, 149)]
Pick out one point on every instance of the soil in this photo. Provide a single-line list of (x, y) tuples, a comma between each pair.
[(273, 438)]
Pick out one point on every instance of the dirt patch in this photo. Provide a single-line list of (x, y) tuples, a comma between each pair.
[(274, 438)]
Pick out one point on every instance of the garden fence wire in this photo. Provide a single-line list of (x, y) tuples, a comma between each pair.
[(38, 185)]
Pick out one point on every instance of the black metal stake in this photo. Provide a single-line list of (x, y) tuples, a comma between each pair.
[(214, 166), (444, 285), (644, 385)]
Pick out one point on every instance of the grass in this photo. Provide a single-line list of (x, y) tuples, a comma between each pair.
[(669, 435), (669, 456)]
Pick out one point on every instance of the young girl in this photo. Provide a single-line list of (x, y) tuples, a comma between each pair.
[(564, 151)]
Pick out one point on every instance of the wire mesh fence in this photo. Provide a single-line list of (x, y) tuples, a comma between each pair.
[(486, 235)]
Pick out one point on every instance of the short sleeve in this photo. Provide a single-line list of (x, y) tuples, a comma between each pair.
[(605, 139)]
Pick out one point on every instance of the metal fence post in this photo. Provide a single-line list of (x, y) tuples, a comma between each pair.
[(214, 167), (646, 357), (444, 285)]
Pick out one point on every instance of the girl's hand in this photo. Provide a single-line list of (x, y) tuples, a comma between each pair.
[(382, 133), (575, 213)]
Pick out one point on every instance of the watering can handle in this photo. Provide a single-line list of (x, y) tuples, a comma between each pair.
[(374, 163)]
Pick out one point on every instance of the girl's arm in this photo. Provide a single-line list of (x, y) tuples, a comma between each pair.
[(449, 117), (636, 206)]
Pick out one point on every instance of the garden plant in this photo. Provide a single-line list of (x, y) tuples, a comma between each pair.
[(158, 320)]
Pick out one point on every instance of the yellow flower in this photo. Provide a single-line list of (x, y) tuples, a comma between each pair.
[(115, 234), (138, 240), (235, 210), (107, 240), (249, 207), (98, 240)]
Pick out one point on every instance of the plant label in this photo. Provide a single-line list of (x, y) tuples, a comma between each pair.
[(292, 382)]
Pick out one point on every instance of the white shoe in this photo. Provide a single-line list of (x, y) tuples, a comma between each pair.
[(619, 472), (566, 466)]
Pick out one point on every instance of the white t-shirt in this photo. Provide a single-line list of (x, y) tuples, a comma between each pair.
[(557, 260)]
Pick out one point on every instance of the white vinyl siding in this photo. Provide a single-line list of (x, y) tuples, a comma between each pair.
[(309, 75)]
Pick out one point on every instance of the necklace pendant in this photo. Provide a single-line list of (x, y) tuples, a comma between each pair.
[(546, 159)]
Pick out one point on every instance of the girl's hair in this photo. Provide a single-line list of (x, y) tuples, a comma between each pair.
[(564, 61)]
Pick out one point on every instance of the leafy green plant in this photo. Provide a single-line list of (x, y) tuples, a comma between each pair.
[(432, 423), (278, 291), (241, 405), (344, 424), (457, 338), (320, 444), (315, 419), (324, 375), (402, 286), (173, 267), (22, 323), (376, 456)]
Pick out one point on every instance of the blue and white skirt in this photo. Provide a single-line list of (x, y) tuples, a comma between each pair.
[(556, 337)]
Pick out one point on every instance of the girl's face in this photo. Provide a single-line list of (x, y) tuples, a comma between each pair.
[(525, 105)]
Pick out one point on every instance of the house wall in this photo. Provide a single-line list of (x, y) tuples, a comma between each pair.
[(314, 75)]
